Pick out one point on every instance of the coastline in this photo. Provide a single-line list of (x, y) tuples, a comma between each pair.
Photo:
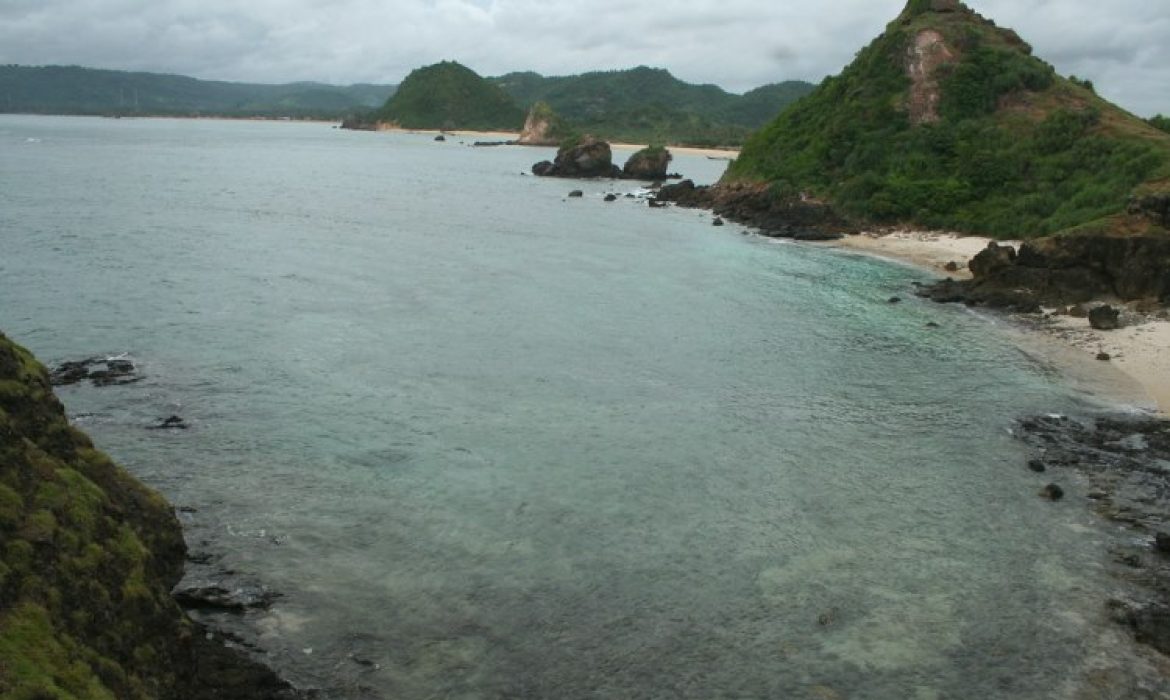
[(1140, 350), (514, 135)]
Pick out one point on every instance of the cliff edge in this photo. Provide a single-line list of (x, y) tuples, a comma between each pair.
[(88, 558)]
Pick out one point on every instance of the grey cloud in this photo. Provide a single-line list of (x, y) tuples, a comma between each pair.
[(738, 44)]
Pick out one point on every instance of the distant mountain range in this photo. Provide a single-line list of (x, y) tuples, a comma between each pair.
[(89, 91), (641, 104)]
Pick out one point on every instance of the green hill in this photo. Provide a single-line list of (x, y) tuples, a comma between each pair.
[(76, 90), (651, 105), (948, 121), (448, 95)]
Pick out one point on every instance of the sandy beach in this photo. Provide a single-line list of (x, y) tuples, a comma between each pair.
[(1140, 350)]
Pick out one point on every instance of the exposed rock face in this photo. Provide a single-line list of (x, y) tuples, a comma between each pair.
[(925, 56), (587, 157), (542, 127), (1155, 207), (648, 164), (992, 259), (757, 206), (1065, 270), (88, 558)]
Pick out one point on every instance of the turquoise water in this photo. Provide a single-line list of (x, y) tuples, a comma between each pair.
[(490, 442)]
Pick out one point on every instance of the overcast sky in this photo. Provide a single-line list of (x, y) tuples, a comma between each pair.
[(1122, 45)]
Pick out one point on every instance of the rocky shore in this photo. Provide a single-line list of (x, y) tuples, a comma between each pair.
[(88, 560), (1122, 460)]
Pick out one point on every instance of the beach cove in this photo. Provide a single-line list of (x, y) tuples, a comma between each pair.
[(488, 441)]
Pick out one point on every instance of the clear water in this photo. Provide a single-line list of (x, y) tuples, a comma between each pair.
[(493, 443)]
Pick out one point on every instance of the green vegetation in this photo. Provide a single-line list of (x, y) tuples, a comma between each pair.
[(75, 90), (1015, 150), (1160, 122), (87, 559), (448, 95), (650, 105)]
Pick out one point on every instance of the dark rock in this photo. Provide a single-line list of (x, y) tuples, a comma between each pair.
[(1155, 207), (440, 137), (895, 300), (992, 259), (952, 266), (1037, 465), (1105, 318), (170, 423), (587, 157), (611, 197), (932, 324), (1150, 625), (216, 596), (717, 222), (576, 193), (1162, 541), (655, 204), (1052, 492), (812, 235), (648, 164), (100, 372), (1104, 356)]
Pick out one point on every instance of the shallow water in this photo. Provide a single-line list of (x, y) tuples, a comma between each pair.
[(490, 442)]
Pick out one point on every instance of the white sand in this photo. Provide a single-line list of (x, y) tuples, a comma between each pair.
[(1141, 350)]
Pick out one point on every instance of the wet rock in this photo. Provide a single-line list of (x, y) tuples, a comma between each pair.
[(440, 137), (99, 371), (576, 193), (895, 300), (655, 204), (717, 222), (1162, 541), (1052, 492), (611, 197), (932, 324), (1105, 318), (1037, 466), (169, 423), (952, 266), (1104, 356), (544, 168), (226, 597)]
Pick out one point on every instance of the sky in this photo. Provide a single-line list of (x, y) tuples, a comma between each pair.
[(1121, 45)]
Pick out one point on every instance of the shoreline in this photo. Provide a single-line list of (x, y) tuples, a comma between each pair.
[(1140, 350), (718, 153)]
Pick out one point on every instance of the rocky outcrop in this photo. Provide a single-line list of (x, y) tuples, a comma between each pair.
[(1120, 463), (543, 127), (648, 164), (88, 558), (758, 206), (1064, 270), (583, 158), (1154, 207)]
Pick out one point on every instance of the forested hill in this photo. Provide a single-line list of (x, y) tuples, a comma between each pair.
[(448, 95), (650, 104), (76, 90), (948, 121)]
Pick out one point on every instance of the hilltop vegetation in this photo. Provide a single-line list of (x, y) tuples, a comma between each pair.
[(948, 121), (89, 91), (651, 105), (448, 95)]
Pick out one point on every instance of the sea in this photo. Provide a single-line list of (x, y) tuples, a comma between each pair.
[(482, 440)]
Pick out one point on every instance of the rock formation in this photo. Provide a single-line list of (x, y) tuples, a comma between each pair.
[(581, 158), (543, 127), (648, 164), (88, 558)]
